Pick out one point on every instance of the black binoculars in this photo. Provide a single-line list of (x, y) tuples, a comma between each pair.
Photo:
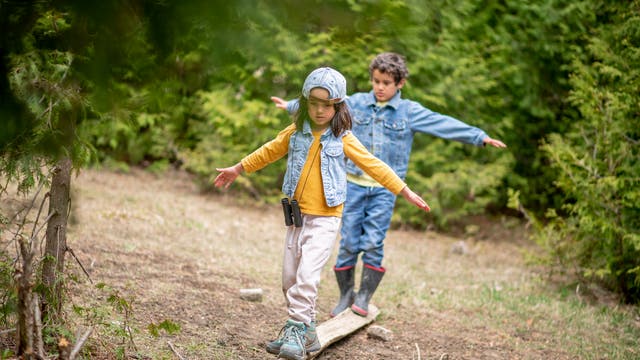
[(292, 215)]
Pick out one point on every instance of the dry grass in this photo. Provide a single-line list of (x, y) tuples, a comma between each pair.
[(176, 254)]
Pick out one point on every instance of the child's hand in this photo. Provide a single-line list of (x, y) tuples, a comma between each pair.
[(280, 103), (414, 198), (228, 175), (494, 142)]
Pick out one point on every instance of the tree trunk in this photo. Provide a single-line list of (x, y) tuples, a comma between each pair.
[(25, 302), (56, 237)]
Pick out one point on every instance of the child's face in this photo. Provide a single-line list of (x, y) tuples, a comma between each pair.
[(384, 86), (321, 109)]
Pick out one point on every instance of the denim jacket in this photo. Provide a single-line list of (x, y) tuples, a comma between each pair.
[(387, 132), (332, 164)]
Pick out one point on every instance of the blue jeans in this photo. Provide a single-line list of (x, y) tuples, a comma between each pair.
[(365, 221)]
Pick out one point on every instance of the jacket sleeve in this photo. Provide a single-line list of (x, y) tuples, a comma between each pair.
[(269, 152), (430, 122), (373, 166), (292, 106)]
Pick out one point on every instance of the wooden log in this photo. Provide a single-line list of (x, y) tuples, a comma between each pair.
[(343, 324)]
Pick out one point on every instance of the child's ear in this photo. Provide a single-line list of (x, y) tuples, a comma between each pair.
[(401, 83)]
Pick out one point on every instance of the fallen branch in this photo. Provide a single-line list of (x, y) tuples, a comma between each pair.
[(7, 331), (175, 351), (79, 344), (418, 350), (70, 250)]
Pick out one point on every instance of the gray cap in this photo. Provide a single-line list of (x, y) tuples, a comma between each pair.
[(328, 79)]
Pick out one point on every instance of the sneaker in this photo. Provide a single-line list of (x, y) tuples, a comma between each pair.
[(293, 346), (311, 344), (273, 346)]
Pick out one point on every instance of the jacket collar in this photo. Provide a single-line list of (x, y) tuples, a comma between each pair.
[(394, 102), (306, 130), (306, 127)]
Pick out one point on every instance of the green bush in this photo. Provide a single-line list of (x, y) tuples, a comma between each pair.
[(233, 128), (597, 231), (453, 189)]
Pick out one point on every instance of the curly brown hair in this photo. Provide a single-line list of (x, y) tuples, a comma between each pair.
[(390, 63)]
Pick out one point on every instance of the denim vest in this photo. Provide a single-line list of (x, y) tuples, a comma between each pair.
[(332, 164), (387, 132)]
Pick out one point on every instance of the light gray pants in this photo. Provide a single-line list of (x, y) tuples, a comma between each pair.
[(306, 251)]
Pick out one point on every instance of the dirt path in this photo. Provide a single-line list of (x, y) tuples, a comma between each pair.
[(179, 255)]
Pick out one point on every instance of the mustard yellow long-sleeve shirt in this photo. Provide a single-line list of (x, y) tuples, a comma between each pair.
[(310, 192)]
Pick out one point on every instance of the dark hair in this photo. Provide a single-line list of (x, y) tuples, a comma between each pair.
[(390, 63), (340, 123)]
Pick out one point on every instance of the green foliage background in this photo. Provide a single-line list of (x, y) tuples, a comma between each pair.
[(187, 84)]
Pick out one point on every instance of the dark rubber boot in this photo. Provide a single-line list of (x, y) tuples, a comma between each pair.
[(371, 277), (345, 278)]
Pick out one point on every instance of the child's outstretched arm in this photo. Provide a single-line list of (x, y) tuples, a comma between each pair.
[(494, 142), (280, 103), (380, 171), (414, 198), (228, 175)]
